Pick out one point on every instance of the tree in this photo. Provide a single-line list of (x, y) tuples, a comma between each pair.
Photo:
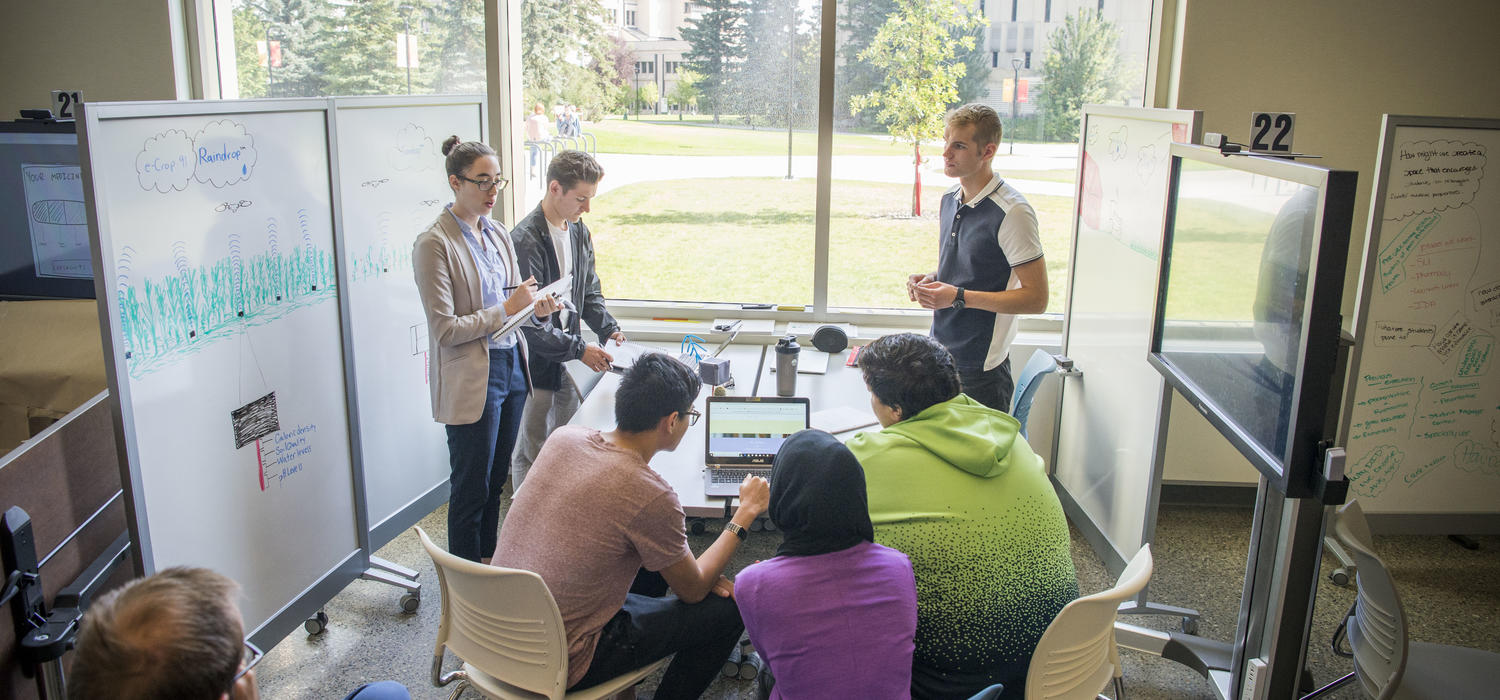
[(974, 83), (452, 57), (1082, 66), (647, 95), (777, 82), (916, 50), (686, 91), (859, 22), (717, 45), (292, 25), (356, 50), (556, 34)]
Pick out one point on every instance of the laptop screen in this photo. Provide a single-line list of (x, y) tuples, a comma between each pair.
[(749, 430)]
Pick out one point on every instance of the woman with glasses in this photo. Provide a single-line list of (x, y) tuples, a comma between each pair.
[(466, 273)]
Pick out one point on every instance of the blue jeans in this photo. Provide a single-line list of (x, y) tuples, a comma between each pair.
[(380, 690), (479, 455)]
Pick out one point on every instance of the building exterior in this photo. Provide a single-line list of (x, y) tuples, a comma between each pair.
[(1021, 30), (652, 31)]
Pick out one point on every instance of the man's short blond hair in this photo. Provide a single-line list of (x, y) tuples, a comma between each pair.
[(983, 118), (176, 634)]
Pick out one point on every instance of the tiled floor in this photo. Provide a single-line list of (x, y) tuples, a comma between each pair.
[(1451, 594)]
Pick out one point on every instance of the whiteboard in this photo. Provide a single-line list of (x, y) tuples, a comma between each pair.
[(392, 184), (212, 226), (1107, 431), (1422, 410)]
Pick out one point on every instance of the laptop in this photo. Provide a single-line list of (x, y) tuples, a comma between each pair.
[(742, 435)]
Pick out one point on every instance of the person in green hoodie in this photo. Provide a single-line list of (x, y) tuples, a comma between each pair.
[(953, 486)]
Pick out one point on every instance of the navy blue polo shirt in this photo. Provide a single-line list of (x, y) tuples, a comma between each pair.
[(980, 241)]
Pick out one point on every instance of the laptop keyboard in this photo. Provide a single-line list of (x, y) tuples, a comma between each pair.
[(733, 476)]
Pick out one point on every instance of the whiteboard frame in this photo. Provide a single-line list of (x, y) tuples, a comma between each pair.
[(1112, 554), (339, 573), (374, 535), (1406, 523)]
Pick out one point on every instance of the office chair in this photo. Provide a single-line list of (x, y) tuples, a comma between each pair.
[(1028, 381), (1077, 656), (1386, 665), (504, 625)]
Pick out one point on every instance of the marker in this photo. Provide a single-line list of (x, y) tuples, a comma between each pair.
[(674, 320)]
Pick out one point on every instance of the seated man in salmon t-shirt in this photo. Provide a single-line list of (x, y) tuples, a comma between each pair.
[(606, 534)]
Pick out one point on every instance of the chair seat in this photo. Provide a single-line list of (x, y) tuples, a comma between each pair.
[(493, 687), (1442, 672)]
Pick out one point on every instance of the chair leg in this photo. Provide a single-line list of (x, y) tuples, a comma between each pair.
[(458, 689), (1341, 682)]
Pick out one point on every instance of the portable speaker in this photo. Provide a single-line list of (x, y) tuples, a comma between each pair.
[(713, 370), (830, 339)]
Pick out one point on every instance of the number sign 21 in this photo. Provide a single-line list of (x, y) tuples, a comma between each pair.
[(1271, 131), (65, 103)]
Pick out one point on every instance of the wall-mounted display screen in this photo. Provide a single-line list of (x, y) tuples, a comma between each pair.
[(44, 234), (1250, 285)]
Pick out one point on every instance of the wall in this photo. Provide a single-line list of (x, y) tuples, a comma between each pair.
[(1340, 65), (110, 50)]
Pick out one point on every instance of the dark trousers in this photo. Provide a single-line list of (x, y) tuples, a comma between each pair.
[(479, 455), (652, 626), (991, 388)]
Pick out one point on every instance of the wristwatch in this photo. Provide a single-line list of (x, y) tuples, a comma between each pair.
[(958, 301), (732, 526)]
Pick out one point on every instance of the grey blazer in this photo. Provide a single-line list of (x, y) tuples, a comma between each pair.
[(458, 325)]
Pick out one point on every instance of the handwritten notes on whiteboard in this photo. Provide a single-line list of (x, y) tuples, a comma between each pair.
[(1424, 419)]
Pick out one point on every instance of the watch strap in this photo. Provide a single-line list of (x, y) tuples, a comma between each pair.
[(732, 526)]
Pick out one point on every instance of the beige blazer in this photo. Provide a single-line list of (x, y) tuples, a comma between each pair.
[(458, 325)]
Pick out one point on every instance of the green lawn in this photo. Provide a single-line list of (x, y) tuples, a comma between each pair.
[(1225, 243), (751, 240), (672, 138)]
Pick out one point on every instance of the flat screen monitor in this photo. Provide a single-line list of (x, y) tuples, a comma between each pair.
[(749, 430), (44, 232), (1247, 312)]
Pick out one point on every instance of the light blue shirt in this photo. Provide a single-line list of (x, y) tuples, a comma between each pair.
[(494, 273)]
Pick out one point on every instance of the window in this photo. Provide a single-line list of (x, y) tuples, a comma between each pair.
[(630, 18), (994, 59), (688, 7), (1027, 64), (670, 67), (1047, 13), (1011, 44), (645, 67), (614, 16), (283, 49), (1029, 40), (1013, 4)]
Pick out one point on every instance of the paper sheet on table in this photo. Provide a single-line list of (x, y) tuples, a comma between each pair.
[(623, 356), (840, 419), (801, 328), (808, 362), (563, 288)]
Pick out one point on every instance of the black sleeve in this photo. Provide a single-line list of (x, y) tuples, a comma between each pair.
[(549, 342), (593, 310)]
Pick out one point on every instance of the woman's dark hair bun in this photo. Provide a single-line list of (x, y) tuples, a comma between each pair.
[(449, 143)]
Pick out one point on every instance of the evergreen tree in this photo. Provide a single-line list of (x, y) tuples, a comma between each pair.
[(859, 21), (717, 42), (777, 81), (556, 34), (356, 48), (1082, 67), (973, 86), (292, 25), (452, 57)]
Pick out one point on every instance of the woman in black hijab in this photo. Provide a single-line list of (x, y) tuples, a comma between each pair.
[(833, 613)]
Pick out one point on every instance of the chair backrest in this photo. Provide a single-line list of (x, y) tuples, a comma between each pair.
[(1377, 634), (501, 621), (1027, 382), (1077, 655)]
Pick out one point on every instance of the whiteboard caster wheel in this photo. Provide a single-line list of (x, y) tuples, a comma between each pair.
[(696, 526), (757, 525), (410, 602), (1339, 577), (316, 624), (770, 526), (1190, 625)]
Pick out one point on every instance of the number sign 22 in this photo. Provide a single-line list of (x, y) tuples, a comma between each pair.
[(1271, 131), (66, 103)]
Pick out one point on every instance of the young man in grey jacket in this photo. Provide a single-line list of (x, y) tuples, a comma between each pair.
[(551, 242)]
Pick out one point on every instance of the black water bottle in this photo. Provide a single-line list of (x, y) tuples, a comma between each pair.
[(787, 352)]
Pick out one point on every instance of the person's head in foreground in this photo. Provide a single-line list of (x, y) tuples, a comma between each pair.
[(656, 396), (818, 496), (906, 373), (175, 634)]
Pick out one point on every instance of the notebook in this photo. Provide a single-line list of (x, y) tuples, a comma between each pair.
[(742, 435)]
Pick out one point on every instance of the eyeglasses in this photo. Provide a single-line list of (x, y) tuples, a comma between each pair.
[(486, 184), (692, 416), (250, 656)]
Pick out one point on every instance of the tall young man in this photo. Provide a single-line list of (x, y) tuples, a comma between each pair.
[(551, 242), (990, 266), (606, 534)]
